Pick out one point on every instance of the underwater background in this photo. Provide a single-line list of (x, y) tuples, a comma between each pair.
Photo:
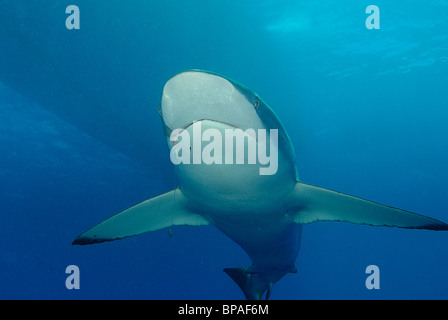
[(81, 140)]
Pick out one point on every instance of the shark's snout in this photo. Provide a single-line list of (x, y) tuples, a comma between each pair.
[(196, 95)]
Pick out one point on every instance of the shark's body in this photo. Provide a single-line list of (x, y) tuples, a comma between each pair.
[(262, 213)]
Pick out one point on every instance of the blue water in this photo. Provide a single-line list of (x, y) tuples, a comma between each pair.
[(81, 139)]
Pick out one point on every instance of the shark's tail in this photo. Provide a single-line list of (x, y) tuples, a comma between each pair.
[(255, 284)]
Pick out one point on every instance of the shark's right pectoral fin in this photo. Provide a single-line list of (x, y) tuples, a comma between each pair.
[(310, 203), (166, 210)]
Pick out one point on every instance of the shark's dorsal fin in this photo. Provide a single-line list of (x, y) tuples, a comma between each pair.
[(308, 203), (166, 210)]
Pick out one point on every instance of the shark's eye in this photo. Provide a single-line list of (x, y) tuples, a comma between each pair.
[(256, 103), (159, 109)]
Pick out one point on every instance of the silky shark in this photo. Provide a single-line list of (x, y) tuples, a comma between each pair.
[(262, 213)]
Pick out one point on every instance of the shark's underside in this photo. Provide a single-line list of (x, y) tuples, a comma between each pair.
[(262, 213)]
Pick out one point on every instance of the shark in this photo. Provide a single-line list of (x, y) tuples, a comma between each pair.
[(262, 213)]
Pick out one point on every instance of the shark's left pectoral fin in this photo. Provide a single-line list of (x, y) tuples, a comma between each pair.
[(308, 203), (166, 210)]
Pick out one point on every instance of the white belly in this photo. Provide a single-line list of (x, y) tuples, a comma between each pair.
[(229, 185)]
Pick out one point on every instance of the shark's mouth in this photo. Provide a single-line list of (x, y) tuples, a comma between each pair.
[(196, 127), (169, 131), (212, 120)]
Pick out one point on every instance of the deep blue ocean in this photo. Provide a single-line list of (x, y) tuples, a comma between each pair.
[(81, 140)]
